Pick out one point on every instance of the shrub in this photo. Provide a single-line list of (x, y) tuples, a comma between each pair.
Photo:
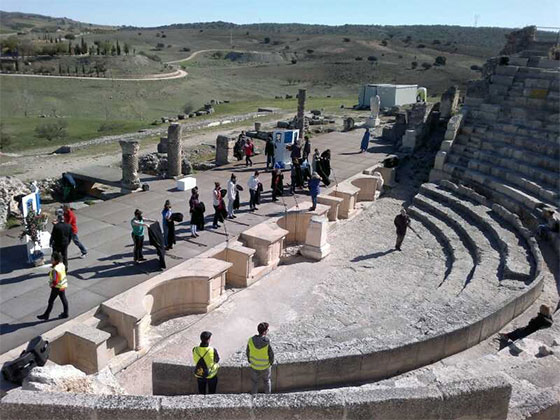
[(109, 126), (372, 58), (474, 67), (310, 51), (218, 55), (358, 59), (276, 43), (186, 49), (188, 108), (384, 42), (346, 40), (160, 45), (70, 36), (414, 64), (426, 66), (420, 46), (5, 138), (294, 61), (440, 61), (267, 40), (436, 42), (51, 130), (163, 36)]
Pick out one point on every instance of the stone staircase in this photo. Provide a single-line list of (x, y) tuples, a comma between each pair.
[(115, 343), (508, 148)]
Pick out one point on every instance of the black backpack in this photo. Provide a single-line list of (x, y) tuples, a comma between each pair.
[(201, 370)]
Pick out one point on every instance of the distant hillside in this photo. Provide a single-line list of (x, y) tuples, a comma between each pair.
[(27, 22)]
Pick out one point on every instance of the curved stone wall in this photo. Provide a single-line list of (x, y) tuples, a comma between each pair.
[(471, 398)]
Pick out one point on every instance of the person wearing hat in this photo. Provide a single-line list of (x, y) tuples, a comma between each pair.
[(402, 222), (61, 236), (206, 360), (138, 224), (314, 189)]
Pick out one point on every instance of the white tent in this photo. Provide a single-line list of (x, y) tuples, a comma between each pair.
[(390, 95)]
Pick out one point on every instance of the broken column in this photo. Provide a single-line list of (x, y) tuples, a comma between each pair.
[(301, 112), (130, 180), (174, 152), (316, 246), (449, 102), (224, 149)]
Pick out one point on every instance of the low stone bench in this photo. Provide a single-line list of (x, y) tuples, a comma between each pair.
[(349, 194), (297, 219), (333, 203), (240, 273), (367, 185), (267, 239), (195, 286)]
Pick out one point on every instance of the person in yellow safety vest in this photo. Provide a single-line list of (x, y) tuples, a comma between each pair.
[(206, 360), (58, 284), (261, 357)]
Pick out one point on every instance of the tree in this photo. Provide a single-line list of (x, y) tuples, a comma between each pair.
[(413, 65), (83, 46), (59, 68), (372, 58), (188, 108), (420, 46), (113, 49), (69, 36), (358, 58), (436, 42), (346, 40), (267, 40), (426, 66), (51, 130), (440, 61), (70, 47), (126, 48), (294, 61), (310, 51), (384, 42), (118, 48)]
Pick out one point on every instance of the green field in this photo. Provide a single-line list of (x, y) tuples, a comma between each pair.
[(254, 64)]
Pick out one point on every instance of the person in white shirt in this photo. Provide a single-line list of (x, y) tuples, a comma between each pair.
[(253, 187), (231, 193)]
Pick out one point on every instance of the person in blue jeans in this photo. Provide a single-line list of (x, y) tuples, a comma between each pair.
[(314, 189), (165, 217)]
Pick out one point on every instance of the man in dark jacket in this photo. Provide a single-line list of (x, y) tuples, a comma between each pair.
[(269, 152), (306, 148), (155, 236), (261, 357), (61, 236), (402, 222)]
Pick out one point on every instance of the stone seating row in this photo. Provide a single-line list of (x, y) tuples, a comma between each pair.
[(536, 191), (512, 246)]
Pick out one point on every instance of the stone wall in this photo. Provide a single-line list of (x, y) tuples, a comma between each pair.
[(472, 398)]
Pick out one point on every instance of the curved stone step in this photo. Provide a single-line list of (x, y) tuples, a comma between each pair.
[(506, 176), (519, 264), (487, 256), (460, 263)]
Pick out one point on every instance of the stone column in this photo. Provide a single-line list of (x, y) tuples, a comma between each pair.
[(130, 180), (174, 152), (316, 246), (224, 149), (301, 112)]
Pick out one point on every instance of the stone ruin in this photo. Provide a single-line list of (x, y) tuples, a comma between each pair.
[(496, 170)]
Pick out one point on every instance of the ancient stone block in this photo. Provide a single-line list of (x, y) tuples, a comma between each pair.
[(130, 179), (224, 150), (174, 150)]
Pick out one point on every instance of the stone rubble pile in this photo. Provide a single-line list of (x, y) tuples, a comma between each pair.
[(66, 378), (10, 188)]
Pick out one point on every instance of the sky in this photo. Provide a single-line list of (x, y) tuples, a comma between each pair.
[(503, 13)]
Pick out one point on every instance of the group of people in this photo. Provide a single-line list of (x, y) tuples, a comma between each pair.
[(244, 147), (259, 355)]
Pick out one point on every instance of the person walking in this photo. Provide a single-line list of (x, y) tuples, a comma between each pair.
[(61, 235), (58, 284), (314, 189), (306, 148), (269, 152), (196, 209), (138, 224), (70, 218), (261, 357), (165, 221), (206, 360), (402, 222), (231, 195), (253, 185), (365, 141), (218, 202), (249, 151)]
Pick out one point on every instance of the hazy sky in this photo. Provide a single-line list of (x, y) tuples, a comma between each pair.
[(504, 13)]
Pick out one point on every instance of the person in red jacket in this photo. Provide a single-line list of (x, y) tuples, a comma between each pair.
[(70, 218)]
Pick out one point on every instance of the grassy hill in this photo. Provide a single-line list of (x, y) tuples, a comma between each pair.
[(246, 64), (27, 22)]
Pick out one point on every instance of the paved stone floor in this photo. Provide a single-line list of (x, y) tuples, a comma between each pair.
[(104, 229)]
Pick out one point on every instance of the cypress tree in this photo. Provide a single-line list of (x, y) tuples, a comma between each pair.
[(118, 48)]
